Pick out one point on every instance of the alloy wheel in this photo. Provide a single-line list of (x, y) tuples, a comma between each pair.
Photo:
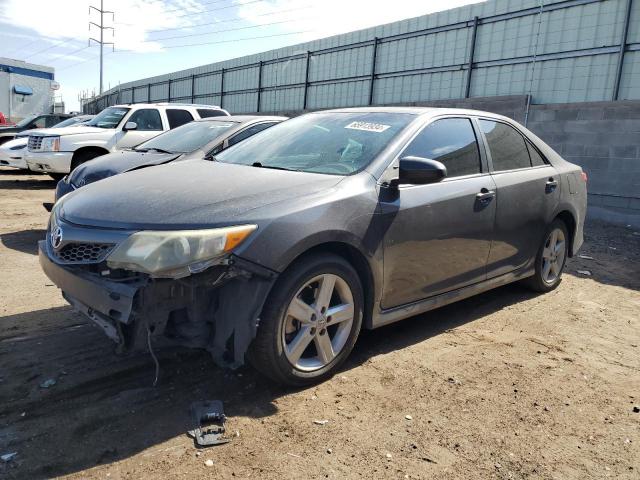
[(553, 255), (318, 322)]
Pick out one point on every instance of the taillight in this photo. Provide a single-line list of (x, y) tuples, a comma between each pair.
[(584, 176)]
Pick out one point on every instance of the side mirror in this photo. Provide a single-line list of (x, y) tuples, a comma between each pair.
[(420, 171), (130, 126)]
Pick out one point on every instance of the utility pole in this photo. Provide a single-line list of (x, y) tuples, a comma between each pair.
[(102, 28)]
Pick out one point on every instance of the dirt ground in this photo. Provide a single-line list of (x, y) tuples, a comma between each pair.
[(508, 384)]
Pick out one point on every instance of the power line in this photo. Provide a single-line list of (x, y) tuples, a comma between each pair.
[(230, 20), (218, 9), (50, 47), (227, 30), (223, 41)]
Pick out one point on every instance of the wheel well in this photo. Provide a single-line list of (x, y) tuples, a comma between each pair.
[(80, 151), (359, 263), (570, 222)]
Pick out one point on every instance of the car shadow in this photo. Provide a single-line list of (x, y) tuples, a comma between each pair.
[(25, 241), (103, 407)]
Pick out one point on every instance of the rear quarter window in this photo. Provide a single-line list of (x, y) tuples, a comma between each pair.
[(210, 112), (178, 117)]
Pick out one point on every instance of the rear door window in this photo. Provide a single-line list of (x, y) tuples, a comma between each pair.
[(450, 141), (178, 117), (40, 122), (147, 119), (248, 132), (507, 146), (210, 112)]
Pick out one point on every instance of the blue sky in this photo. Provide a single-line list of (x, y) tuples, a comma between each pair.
[(159, 36)]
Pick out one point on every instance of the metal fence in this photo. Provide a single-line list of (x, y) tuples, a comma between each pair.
[(566, 51)]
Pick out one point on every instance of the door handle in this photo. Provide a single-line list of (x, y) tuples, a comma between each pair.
[(551, 185), (485, 195)]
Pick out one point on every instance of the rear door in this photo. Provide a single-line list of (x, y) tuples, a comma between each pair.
[(440, 234), (527, 192)]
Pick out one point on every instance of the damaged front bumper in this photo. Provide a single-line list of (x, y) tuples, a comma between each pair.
[(217, 309)]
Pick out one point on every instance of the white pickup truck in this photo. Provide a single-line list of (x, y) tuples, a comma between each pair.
[(58, 151)]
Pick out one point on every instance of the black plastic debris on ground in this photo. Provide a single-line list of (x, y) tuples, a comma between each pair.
[(208, 423)]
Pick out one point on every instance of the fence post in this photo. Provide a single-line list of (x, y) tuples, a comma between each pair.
[(306, 81), (169, 92), (259, 85), (474, 33), (222, 88), (193, 88), (623, 47), (374, 56)]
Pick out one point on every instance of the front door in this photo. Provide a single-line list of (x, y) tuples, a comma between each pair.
[(528, 191), (440, 234), (149, 124)]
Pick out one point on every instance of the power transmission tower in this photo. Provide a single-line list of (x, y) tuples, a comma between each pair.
[(102, 28)]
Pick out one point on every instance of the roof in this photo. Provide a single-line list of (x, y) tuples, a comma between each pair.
[(416, 111), (242, 118), (168, 104)]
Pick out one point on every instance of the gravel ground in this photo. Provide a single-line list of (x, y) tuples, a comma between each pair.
[(507, 384)]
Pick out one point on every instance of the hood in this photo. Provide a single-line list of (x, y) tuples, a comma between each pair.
[(76, 130), (115, 163), (183, 195), (12, 130)]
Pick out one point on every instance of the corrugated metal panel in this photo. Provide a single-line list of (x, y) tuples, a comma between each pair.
[(510, 41), (419, 88), (140, 94), (181, 89), (634, 25), (630, 84)]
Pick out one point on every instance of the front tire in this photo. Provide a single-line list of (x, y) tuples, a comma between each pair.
[(310, 321), (551, 258), (81, 157)]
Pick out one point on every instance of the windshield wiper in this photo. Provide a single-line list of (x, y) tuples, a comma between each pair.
[(159, 150), (260, 165)]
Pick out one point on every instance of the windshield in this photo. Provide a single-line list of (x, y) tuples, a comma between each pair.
[(67, 122), (188, 137), (331, 143), (25, 121), (108, 118)]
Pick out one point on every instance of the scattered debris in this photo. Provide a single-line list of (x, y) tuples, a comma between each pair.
[(50, 382), (329, 450), (408, 417), (584, 272), (7, 457), (198, 453), (585, 257), (321, 422), (294, 455), (547, 409), (389, 456), (208, 462), (208, 423), (636, 409)]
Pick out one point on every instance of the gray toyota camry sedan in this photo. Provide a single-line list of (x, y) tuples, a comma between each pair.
[(285, 247)]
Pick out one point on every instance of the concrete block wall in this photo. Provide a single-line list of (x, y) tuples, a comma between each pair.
[(604, 139)]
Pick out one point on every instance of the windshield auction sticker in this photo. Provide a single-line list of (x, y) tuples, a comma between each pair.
[(368, 127)]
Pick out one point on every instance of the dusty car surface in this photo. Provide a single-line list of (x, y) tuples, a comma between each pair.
[(194, 140), (295, 239)]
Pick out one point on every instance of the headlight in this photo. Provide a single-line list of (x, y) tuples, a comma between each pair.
[(50, 144), (176, 254)]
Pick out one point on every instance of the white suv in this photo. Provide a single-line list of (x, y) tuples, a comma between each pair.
[(59, 151)]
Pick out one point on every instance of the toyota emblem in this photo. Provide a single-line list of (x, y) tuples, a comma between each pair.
[(56, 237)]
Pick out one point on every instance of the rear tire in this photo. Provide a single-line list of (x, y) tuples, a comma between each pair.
[(551, 258), (310, 321)]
